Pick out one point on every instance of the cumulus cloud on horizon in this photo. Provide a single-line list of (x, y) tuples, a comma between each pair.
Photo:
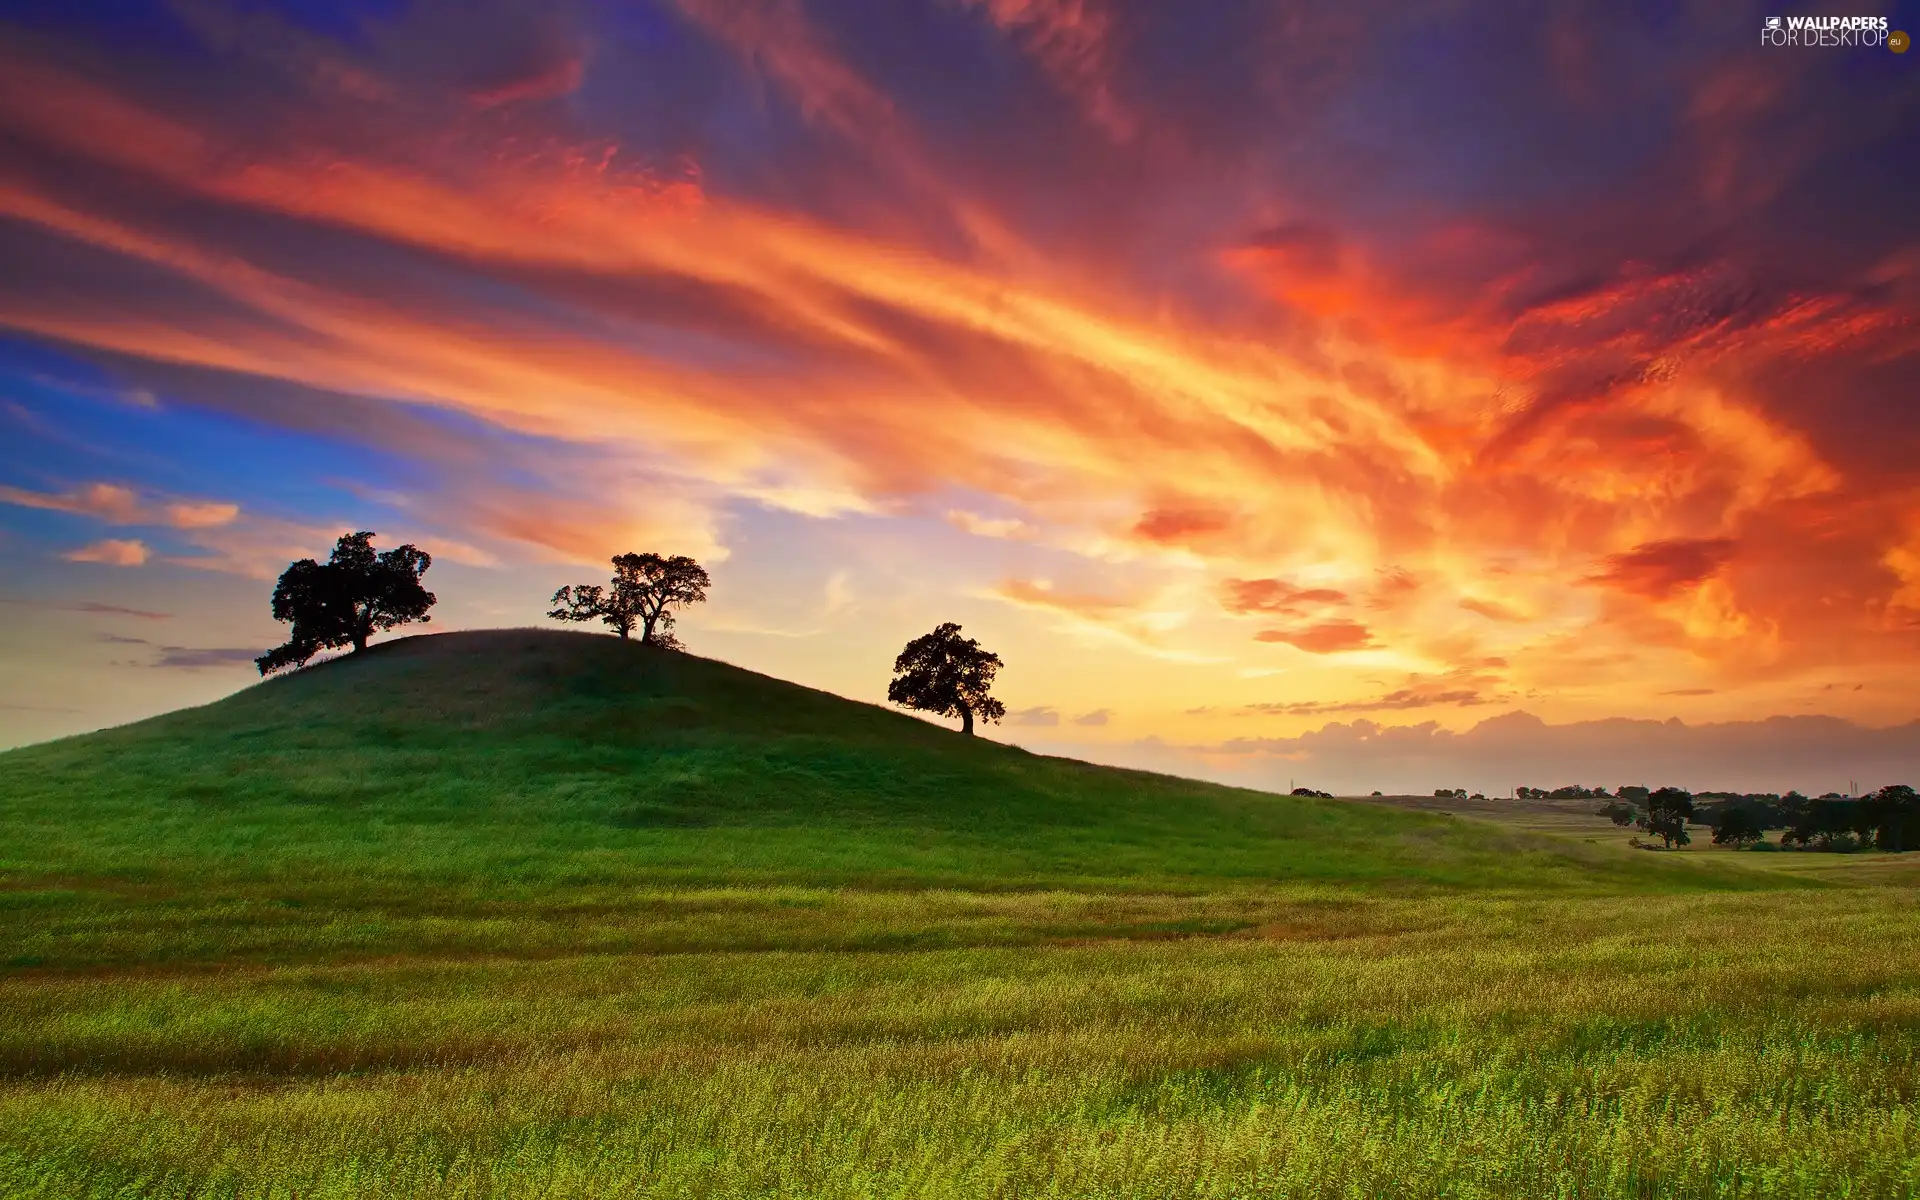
[(1814, 754)]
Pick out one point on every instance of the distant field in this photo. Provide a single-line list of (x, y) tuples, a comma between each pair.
[(536, 914)]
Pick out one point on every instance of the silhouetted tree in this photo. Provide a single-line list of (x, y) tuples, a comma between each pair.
[(1666, 815), (1634, 794), (1831, 820), (643, 590), (1737, 827), (946, 674), (1894, 815), (347, 599)]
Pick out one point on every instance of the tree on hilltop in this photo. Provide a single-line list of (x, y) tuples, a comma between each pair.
[(644, 588), (948, 675), (344, 601)]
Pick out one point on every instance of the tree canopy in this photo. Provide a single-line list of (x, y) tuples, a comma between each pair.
[(1666, 817), (347, 599), (1893, 813), (948, 675), (1737, 827), (643, 591)]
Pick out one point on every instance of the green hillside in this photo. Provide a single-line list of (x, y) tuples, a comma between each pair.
[(526, 913), (526, 758)]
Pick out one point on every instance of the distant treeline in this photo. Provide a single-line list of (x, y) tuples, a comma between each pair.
[(1888, 819)]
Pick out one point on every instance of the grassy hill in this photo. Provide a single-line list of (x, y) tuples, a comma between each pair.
[(524, 758), (527, 913)]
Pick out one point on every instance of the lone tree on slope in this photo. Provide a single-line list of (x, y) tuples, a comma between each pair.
[(948, 675), (644, 587), (1667, 813), (347, 599)]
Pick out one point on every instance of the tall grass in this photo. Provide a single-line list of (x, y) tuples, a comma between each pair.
[(443, 943), (1755, 1045)]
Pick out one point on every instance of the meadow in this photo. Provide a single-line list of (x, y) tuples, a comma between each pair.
[(542, 914)]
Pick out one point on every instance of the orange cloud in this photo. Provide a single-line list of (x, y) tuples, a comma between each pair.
[(1039, 594), (108, 502), (1410, 416), (202, 515), (1492, 610), (1172, 526), (112, 552), (117, 505), (1274, 596), (1327, 637)]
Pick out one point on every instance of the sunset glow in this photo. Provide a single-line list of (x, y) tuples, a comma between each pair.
[(1231, 383)]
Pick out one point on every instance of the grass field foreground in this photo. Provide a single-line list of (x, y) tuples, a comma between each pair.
[(543, 915)]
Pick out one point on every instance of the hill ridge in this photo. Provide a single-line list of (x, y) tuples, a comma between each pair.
[(541, 756)]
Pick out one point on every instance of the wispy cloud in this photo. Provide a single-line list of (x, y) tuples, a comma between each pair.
[(112, 552), (1044, 714), (119, 505), (190, 658), (117, 610), (105, 501)]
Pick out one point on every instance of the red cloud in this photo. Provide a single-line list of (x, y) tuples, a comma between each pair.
[(1169, 525), (1502, 390), (1658, 569), (1274, 596), (1328, 637), (539, 81)]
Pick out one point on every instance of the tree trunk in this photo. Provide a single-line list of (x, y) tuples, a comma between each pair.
[(966, 720)]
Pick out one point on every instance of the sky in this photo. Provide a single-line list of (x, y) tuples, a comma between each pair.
[(1352, 395)]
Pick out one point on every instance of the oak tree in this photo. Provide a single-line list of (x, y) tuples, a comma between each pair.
[(1737, 827), (344, 601), (1893, 813), (643, 591), (948, 675), (1668, 809)]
